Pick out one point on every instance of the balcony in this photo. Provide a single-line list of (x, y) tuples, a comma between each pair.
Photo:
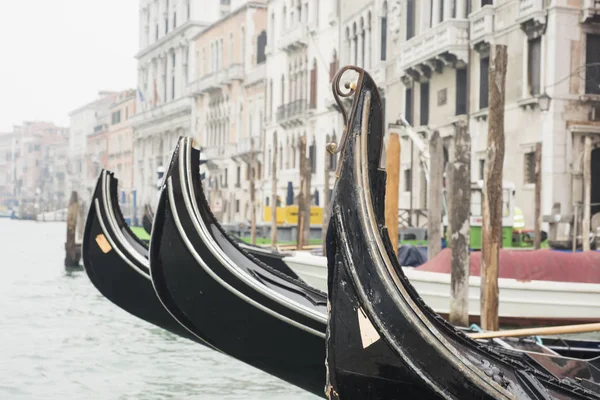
[(591, 11), (245, 148), (531, 16), (164, 111), (444, 44), (294, 39), (212, 154), (257, 74), (292, 113), (235, 72), (482, 26), (208, 83)]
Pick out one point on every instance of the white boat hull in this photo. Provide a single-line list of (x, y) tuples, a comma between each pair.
[(521, 303)]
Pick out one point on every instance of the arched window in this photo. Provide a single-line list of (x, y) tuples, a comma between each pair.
[(243, 47), (312, 156), (369, 39), (313, 85), (348, 46), (333, 66), (293, 152), (261, 43), (230, 55), (384, 31), (280, 156), (270, 110), (272, 29), (355, 44), (362, 42), (282, 90)]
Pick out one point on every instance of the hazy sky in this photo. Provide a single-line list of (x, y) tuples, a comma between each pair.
[(56, 54)]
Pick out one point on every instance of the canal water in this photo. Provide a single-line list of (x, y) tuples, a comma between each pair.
[(61, 339)]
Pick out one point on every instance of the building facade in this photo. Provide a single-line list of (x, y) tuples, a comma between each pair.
[(166, 63), (34, 167), (303, 55), (120, 147), (229, 106), (8, 153), (439, 76), (86, 124)]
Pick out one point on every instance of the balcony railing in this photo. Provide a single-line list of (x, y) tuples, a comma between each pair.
[(256, 74), (235, 72), (530, 9), (209, 83), (482, 24), (591, 10), (291, 111), (214, 152), (245, 147), (294, 38), (448, 38)]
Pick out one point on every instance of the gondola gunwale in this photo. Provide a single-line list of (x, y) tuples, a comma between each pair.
[(95, 268), (193, 187), (110, 235), (406, 298), (240, 277), (142, 264), (186, 287), (117, 215)]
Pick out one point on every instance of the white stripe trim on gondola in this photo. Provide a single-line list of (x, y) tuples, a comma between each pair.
[(218, 279), (112, 242), (405, 303), (113, 223), (222, 256), (143, 273)]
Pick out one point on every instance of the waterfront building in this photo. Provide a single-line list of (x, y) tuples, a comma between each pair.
[(229, 106), (303, 54), (438, 75), (166, 65), (119, 148)]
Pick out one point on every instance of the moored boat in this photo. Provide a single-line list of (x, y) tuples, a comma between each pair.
[(116, 262), (536, 298), (242, 306), (383, 341)]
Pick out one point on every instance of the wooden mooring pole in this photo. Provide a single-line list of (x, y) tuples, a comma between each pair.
[(492, 190), (460, 235), (72, 248), (326, 175), (252, 176), (537, 232), (274, 193), (302, 195), (308, 196), (392, 167), (587, 193), (434, 211)]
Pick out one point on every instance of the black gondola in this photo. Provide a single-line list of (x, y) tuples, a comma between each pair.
[(147, 218), (116, 260), (245, 308), (383, 342), (273, 259)]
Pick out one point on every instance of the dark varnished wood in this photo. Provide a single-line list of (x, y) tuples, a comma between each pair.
[(219, 291), (117, 273), (383, 342)]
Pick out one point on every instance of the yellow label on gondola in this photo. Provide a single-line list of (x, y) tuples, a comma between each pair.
[(103, 243)]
